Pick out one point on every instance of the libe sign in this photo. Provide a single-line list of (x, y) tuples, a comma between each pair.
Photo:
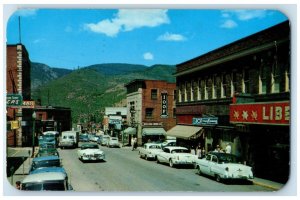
[(261, 113)]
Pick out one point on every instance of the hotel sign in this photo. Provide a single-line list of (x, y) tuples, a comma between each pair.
[(164, 105), (276, 113), (205, 121)]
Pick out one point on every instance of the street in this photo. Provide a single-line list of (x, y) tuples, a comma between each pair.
[(124, 171)]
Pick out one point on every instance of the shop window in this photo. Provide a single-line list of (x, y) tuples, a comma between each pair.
[(154, 94), (149, 112)]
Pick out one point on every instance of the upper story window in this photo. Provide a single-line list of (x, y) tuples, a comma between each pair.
[(154, 94), (263, 79), (246, 81), (188, 91), (275, 84), (195, 90), (149, 112)]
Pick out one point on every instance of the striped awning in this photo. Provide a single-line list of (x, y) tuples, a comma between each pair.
[(185, 132), (130, 131), (153, 131)]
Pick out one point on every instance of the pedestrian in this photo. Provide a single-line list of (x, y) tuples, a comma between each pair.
[(228, 148), (218, 149), (18, 185), (199, 152), (203, 152), (134, 146)]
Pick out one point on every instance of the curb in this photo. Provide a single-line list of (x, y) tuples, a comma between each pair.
[(266, 185)]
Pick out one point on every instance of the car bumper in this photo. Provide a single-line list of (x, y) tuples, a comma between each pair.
[(183, 162), (92, 157)]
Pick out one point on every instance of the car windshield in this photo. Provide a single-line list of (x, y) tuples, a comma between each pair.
[(180, 151), (90, 147), (45, 163), (154, 147), (227, 158), (49, 185)]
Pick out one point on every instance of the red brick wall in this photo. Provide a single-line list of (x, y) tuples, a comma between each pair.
[(161, 86)]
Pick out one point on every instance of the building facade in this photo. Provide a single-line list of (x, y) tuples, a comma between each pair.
[(240, 94), (150, 109), (18, 84)]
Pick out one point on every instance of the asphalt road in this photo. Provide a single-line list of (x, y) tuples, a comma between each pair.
[(124, 171)]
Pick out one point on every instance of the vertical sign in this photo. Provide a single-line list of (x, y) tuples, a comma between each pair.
[(164, 105)]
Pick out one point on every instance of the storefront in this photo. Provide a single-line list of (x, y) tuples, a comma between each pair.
[(264, 130)]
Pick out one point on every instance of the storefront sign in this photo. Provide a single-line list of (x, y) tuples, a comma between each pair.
[(261, 113), (164, 105), (28, 104), (205, 121), (14, 100)]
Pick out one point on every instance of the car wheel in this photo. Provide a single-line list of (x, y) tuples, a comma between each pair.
[(157, 160), (199, 170), (146, 157), (171, 163), (218, 178)]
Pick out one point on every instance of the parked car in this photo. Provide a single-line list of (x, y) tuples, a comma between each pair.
[(176, 156), (113, 142), (149, 151), (47, 152), (168, 143), (223, 166), (50, 181), (49, 169), (90, 151), (44, 161), (94, 138), (46, 146), (83, 138), (49, 137), (105, 138)]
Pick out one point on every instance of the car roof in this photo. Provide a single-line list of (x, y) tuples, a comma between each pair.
[(89, 145), (51, 132), (48, 169), (36, 159), (175, 147), (47, 176)]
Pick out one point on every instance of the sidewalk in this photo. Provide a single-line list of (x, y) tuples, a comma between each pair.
[(23, 168)]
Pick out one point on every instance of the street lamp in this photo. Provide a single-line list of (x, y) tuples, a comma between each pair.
[(33, 131)]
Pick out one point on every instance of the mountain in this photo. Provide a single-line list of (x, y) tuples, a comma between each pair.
[(42, 74), (87, 91)]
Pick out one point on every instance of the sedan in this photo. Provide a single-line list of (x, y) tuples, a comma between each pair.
[(175, 156), (223, 166), (90, 151), (150, 151)]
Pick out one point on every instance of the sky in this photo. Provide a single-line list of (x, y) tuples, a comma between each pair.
[(72, 38)]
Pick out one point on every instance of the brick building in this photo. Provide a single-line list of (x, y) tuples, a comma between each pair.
[(150, 109), (18, 83), (240, 94)]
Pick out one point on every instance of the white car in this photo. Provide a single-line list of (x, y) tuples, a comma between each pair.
[(113, 142), (90, 151), (175, 155), (223, 166), (149, 151)]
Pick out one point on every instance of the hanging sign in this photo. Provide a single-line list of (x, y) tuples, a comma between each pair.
[(164, 105)]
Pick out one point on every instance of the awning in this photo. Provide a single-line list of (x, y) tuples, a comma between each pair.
[(130, 131), (185, 132), (153, 131)]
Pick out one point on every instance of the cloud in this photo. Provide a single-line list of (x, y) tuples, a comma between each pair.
[(244, 15), (26, 12), (36, 41), (171, 37), (128, 20), (229, 24), (148, 56)]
